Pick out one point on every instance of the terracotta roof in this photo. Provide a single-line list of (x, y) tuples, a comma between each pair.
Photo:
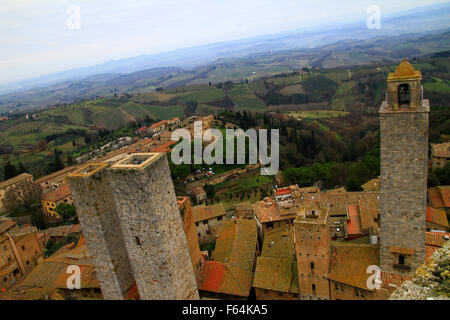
[(283, 191), (198, 191), (436, 238), (445, 194), (429, 250), (402, 250), (64, 171), (266, 210), (21, 177), (158, 124), (372, 185), (276, 268), (435, 197), (163, 148), (437, 216), (349, 263), (201, 213), (7, 225), (230, 271), (63, 231), (392, 280), (52, 273), (441, 150), (60, 193), (354, 220)]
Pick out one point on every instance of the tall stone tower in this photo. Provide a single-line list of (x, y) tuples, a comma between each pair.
[(312, 246), (152, 227), (98, 217), (404, 160)]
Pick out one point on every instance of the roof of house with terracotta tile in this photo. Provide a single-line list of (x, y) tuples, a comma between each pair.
[(230, 270), (435, 197), (62, 192), (353, 220), (158, 124), (437, 216), (349, 262), (445, 194), (164, 147), (392, 280), (372, 185), (436, 238), (429, 250), (7, 225), (276, 268), (52, 273), (19, 178), (202, 213), (266, 210)]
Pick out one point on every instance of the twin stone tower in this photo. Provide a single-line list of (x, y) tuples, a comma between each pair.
[(133, 229), (134, 233)]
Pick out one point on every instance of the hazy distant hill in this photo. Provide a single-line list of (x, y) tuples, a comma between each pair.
[(139, 73)]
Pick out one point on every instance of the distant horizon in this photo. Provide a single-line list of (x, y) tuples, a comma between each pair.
[(35, 48)]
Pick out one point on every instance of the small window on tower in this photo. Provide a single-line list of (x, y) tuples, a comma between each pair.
[(404, 94), (401, 259)]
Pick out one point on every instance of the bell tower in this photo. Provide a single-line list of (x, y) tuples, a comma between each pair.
[(404, 161)]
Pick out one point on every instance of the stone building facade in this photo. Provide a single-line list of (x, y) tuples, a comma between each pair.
[(93, 199), (152, 228), (404, 154), (312, 246)]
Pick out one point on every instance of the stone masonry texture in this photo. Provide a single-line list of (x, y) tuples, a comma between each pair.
[(101, 228), (152, 229)]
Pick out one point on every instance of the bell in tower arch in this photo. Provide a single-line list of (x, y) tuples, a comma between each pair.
[(404, 94)]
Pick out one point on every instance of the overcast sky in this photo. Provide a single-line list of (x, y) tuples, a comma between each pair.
[(36, 39)]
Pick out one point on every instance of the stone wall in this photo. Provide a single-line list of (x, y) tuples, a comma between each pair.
[(152, 227), (93, 199)]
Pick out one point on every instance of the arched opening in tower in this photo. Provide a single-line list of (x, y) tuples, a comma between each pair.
[(404, 94)]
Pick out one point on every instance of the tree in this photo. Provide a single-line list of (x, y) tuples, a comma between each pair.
[(23, 195), (210, 191), (66, 211), (21, 168), (9, 171)]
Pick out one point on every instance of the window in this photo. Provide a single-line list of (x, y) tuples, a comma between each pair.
[(401, 259), (295, 295), (404, 94), (205, 222), (196, 224), (269, 225), (219, 218), (27, 263), (23, 248), (312, 266), (359, 293), (314, 289), (279, 294), (339, 287)]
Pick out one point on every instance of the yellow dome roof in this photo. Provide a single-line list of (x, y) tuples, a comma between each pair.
[(405, 69)]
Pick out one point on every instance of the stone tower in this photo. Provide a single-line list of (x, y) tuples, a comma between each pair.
[(404, 160), (152, 227), (100, 223), (312, 246)]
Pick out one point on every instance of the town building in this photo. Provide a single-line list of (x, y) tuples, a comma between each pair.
[(52, 181), (158, 126), (244, 210), (52, 199), (276, 275), (187, 218), (199, 195), (207, 219), (229, 273), (19, 254), (440, 155), (11, 183)]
